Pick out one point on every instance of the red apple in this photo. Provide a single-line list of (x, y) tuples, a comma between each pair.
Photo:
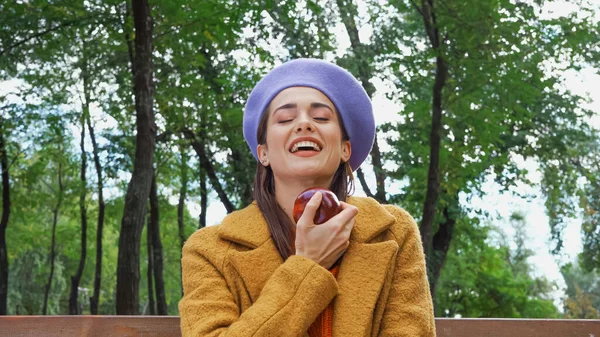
[(330, 205)]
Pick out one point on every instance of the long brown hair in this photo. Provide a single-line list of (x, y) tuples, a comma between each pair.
[(280, 225)]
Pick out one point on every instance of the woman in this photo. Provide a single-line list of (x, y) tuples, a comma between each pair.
[(308, 123)]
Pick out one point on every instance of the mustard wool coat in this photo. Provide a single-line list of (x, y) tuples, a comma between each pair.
[(236, 284)]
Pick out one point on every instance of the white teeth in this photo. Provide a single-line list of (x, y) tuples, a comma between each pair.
[(305, 143)]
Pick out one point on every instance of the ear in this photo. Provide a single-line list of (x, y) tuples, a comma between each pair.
[(261, 151), (346, 150)]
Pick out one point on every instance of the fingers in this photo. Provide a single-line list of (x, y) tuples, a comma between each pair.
[(311, 208), (315, 201), (327, 242)]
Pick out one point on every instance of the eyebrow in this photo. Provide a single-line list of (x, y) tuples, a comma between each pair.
[(312, 105)]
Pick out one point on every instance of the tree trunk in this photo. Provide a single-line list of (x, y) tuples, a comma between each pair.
[(348, 13), (53, 242), (94, 300), (181, 205), (433, 175), (138, 190), (203, 200), (182, 196), (73, 296), (203, 175), (440, 245), (4, 222), (157, 252), (150, 272)]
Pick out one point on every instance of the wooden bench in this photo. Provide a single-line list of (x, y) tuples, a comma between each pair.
[(155, 326)]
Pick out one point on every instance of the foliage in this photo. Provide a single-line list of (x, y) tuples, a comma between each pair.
[(27, 295), (583, 292), (483, 279), (590, 202), (495, 107), (505, 100)]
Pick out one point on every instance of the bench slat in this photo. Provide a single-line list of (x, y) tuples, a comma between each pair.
[(159, 326), (61, 326), (471, 327)]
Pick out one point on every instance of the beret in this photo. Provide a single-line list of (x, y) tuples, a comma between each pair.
[(344, 91)]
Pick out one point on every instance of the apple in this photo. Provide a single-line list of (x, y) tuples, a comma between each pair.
[(330, 205)]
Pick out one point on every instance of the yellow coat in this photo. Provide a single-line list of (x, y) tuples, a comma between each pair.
[(236, 284)]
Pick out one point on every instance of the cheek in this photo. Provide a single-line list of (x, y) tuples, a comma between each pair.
[(275, 139), (334, 136)]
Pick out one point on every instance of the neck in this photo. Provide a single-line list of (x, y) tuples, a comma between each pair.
[(286, 191)]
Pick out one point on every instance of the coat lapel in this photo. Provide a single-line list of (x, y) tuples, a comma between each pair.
[(363, 270), (255, 265)]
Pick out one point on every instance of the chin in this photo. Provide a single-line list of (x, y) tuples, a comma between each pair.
[(311, 171)]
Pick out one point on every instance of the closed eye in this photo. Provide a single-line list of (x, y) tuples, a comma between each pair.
[(285, 121), (321, 119)]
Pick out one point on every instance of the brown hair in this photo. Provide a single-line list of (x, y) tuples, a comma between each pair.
[(280, 225)]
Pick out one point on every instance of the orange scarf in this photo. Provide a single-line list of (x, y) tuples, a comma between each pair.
[(323, 325)]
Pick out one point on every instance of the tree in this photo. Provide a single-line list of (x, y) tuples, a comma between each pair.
[(53, 242), (493, 99), (590, 202), (360, 62), (4, 220), (74, 308), (94, 300), (502, 100), (203, 62), (150, 273), (487, 279), (580, 306), (582, 298), (157, 250), (44, 172), (27, 296), (138, 190)]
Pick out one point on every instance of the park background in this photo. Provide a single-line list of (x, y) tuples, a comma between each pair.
[(509, 87)]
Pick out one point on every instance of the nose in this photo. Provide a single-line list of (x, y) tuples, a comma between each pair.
[(304, 123)]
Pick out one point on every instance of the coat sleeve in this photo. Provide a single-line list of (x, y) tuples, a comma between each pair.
[(409, 311), (288, 304)]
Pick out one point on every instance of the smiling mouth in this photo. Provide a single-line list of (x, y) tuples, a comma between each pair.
[(305, 146)]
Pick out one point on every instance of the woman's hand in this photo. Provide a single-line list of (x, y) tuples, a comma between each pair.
[(327, 242)]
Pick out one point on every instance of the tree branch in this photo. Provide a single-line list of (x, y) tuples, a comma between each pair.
[(417, 7), (50, 30), (209, 168), (42, 33), (363, 183), (173, 29), (164, 137)]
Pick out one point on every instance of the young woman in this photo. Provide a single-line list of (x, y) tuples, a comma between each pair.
[(309, 123)]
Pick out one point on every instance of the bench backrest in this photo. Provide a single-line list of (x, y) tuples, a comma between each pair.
[(158, 326)]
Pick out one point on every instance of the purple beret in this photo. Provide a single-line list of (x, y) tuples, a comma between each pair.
[(349, 97)]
